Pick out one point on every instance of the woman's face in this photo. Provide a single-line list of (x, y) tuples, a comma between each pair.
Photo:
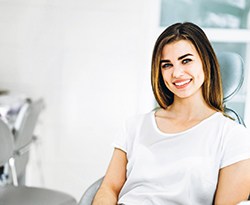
[(182, 69)]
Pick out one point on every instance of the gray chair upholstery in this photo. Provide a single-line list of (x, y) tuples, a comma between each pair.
[(232, 72), (89, 194), (22, 195)]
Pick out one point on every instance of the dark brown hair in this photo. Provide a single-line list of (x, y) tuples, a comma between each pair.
[(212, 86)]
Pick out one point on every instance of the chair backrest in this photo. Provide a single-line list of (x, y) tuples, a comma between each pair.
[(6, 143), (232, 73), (24, 134)]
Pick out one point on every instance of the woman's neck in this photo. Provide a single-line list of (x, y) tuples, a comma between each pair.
[(190, 109)]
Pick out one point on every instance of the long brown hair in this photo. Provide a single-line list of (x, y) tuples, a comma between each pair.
[(212, 86)]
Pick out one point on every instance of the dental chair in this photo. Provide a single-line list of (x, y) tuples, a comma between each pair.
[(12, 194), (232, 72)]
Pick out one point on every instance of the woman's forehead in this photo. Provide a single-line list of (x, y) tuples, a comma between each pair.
[(178, 48)]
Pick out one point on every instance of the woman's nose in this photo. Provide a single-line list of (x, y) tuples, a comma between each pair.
[(177, 71)]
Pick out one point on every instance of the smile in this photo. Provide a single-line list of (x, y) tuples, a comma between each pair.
[(182, 84)]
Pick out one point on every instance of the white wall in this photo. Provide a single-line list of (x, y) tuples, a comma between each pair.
[(90, 61)]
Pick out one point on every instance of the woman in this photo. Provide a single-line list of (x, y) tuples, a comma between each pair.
[(188, 151)]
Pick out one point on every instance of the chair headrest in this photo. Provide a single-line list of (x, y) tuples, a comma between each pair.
[(232, 73)]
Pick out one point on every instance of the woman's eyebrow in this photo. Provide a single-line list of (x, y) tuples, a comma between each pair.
[(164, 61), (181, 57)]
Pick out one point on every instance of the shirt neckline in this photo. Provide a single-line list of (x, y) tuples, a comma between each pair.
[(181, 132)]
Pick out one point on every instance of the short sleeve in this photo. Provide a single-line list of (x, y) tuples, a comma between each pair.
[(120, 140), (236, 145)]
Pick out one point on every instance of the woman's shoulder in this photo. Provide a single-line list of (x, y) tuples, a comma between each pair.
[(229, 121), (232, 126)]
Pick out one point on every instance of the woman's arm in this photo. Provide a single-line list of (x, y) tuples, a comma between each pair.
[(113, 180), (233, 183)]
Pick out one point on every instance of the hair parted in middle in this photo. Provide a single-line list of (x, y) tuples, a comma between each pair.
[(212, 87)]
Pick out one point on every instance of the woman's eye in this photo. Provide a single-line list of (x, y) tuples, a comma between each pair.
[(185, 61), (166, 65)]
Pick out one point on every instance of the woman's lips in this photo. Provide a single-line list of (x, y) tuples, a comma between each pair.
[(182, 83)]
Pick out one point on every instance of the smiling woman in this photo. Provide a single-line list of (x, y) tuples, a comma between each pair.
[(187, 151)]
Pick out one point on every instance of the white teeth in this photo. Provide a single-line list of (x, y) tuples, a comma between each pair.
[(182, 83)]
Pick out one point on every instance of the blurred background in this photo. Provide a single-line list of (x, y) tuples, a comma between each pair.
[(90, 62)]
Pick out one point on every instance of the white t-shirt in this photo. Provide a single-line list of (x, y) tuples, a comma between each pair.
[(180, 168)]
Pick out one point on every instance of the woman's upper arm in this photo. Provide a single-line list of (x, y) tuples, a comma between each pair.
[(233, 183), (116, 172)]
